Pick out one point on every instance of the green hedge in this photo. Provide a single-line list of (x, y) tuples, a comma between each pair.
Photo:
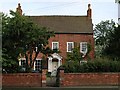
[(92, 66)]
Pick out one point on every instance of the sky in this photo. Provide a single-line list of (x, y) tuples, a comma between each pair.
[(101, 9)]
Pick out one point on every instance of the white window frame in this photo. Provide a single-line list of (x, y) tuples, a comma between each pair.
[(35, 63), (83, 61), (81, 47), (21, 60), (72, 46), (57, 45)]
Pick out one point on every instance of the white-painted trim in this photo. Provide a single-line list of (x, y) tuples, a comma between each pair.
[(20, 60), (34, 65), (72, 46), (83, 61), (57, 45), (38, 59), (50, 63)]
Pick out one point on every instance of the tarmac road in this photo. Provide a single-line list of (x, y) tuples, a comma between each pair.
[(65, 88)]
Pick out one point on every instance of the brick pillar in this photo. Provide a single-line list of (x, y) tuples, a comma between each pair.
[(44, 71), (61, 78)]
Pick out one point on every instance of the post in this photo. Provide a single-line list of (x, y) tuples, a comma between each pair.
[(43, 77), (61, 77)]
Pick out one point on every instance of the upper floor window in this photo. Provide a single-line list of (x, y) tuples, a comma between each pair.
[(83, 47), (70, 46), (55, 45)]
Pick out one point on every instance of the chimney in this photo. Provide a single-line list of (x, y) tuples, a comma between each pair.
[(18, 9), (89, 12)]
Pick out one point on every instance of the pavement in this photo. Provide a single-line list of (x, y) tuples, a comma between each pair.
[(65, 88)]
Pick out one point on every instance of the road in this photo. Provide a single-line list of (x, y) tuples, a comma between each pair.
[(66, 88)]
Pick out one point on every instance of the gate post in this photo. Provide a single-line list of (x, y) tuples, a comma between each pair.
[(44, 71), (61, 73)]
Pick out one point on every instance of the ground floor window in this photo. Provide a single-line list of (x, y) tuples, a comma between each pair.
[(23, 63), (38, 65)]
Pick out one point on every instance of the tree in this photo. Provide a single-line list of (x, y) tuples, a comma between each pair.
[(9, 62), (102, 33), (113, 48), (21, 37)]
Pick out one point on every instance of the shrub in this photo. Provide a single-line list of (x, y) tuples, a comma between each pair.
[(100, 65)]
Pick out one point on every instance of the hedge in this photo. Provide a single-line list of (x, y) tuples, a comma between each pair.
[(92, 66)]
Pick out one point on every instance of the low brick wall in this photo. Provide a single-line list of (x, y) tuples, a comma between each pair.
[(22, 80), (83, 79)]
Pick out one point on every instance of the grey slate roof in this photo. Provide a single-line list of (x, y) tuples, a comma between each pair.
[(65, 24)]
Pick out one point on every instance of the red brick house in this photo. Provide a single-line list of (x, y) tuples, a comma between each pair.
[(68, 31)]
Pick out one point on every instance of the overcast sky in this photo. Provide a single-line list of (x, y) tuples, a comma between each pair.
[(101, 9)]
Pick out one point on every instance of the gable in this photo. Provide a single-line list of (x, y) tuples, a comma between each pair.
[(65, 24)]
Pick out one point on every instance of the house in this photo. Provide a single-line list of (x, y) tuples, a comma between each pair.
[(69, 30), (118, 1)]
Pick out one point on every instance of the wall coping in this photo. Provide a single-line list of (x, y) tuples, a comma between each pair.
[(20, 74), (95, 73)]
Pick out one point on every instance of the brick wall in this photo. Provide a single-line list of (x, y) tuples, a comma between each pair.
[(83, 79), (22, 79)]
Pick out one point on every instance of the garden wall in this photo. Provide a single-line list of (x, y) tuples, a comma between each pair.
[(22, 80), (83, 79)]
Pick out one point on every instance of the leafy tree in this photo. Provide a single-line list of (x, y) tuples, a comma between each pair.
[(9, 60), (102, 33), (113, 48), (21, 37)]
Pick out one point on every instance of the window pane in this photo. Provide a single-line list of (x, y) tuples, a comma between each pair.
[(69, 46), (55, 45), (38, 65), (83, 47), (23, 63)]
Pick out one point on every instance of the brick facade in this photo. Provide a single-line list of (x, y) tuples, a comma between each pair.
[(77, 38), (89, 79)]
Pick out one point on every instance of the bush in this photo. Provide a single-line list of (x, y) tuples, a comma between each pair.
[(101, 65)]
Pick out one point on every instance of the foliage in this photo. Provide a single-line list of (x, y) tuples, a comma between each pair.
[(102, 32), (113, 48), (100, 65), (9, 60), (76, 55), (21, 37)]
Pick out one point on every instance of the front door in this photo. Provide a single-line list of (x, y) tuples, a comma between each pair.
[(54, 65)]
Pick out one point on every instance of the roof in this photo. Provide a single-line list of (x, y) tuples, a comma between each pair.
[(65, 24)]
